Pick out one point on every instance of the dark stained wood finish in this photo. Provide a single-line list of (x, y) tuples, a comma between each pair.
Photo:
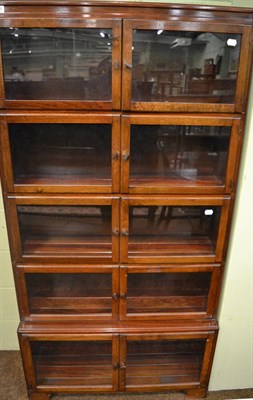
[(38, 396), (196, 394), (91, 308)]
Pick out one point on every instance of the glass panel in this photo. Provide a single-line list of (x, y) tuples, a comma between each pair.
[(69, 293), (176, 154), (60, 153), (170, 230), (57, 64), (72, 363), (167, 292), (185, 66), (161, 362), (65, 230)]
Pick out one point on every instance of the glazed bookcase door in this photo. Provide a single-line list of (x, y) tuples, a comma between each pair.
[(152, 292), (61, 152), (153, 362), (176, 81), (180, 154), (64, 363), (164, 229), (63, 63), (69, 292), (65, 228)]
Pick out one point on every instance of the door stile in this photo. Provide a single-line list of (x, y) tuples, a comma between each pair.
[(125, 152), (115, 165), (122, 363)]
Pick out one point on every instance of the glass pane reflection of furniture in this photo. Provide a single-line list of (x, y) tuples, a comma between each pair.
[(160, 362), (164, 65), (72, 363), (186, 155), (164, 293), (66, 293), (61, 153), (57, 64), (170, 230), (65, 230)]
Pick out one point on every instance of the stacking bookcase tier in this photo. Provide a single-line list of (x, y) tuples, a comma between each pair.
[(111, 292), (120, 145), (134, 229), (117, 356), (95, 152), (106, 57)]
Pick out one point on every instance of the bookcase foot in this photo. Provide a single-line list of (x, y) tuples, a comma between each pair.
[(38, 396), (196, 394)]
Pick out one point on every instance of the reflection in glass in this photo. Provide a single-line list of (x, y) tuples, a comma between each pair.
[(171, 230), (60, 153), (57, 64), (161, 362), (65, 230), (185, 66), (179, 153), (167, 292), (72, 363), (82, 293)]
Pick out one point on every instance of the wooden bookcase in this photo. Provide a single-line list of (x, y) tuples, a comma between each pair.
[(120, 149)]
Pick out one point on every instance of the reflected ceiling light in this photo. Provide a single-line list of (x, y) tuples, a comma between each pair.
[(102, 34), (159, 31), (208, 212), (108, 44), (16, 34), (10, 51), (78, 54), (232, 42), (132, 47), (29, 51)]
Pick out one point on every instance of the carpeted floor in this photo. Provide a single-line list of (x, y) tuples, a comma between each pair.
[(12, 386)]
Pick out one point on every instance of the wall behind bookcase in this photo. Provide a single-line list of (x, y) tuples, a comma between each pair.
[(234, 354)]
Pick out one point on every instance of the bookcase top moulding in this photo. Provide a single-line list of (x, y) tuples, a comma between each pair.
[(134, 4)]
